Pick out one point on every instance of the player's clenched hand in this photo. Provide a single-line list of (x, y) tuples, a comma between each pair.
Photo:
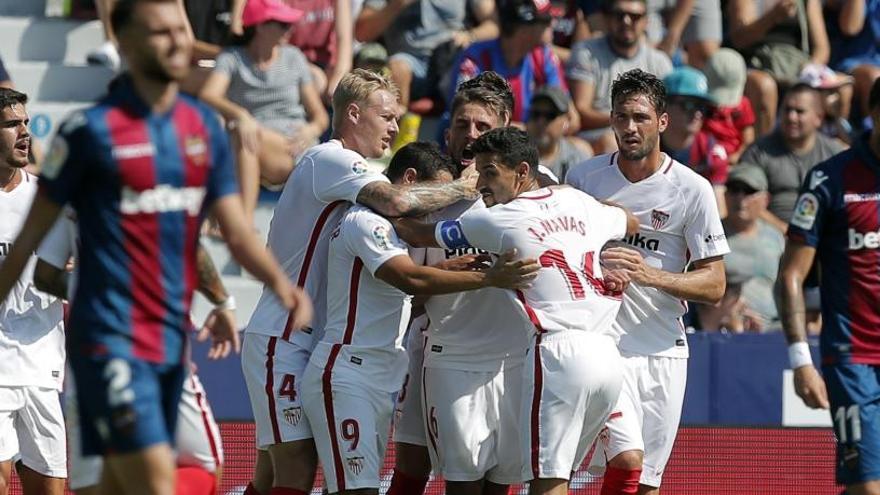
[(220, 326), (810, 387), (627, 261), (615, 280), (510, 273)]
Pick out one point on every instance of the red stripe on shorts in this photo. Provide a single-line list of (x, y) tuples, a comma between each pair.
[(270, 388), (331, 416)]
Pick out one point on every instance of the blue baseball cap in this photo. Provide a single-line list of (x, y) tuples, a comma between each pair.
[(687, 81)]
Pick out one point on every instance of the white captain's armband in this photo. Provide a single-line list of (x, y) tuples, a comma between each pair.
[(450, 236)]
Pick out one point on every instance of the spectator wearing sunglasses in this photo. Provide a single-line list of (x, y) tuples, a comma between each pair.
[(547, 125), (595, 63), (264, 90), (685, 140)]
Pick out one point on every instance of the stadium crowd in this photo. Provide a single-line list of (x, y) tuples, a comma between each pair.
[(699, 121)]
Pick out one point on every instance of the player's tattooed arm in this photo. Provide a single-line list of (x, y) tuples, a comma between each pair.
[(417, 199), (51, 279), (210, 284)]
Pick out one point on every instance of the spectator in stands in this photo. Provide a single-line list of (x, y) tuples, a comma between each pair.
[(264, 90), (778, 39), (325, 34), (692, 25), (414, 30), (836, 91), (732, 119), (596, 62), (755, 245), (520, 54), (788, 154), (569, 26), (547, 125), (854, 33)]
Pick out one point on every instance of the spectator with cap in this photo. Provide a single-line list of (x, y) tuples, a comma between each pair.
[(547, 125), (755, 246), (836, 91), (854, 33), (520, 55), (685, 140), (731, 119), (791, 151), (414, 29), (264, 90), (596, 62)]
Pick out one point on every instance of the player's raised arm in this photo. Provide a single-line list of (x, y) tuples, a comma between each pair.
[(40, 218), (256, 259), (794, 267), (417, 199)]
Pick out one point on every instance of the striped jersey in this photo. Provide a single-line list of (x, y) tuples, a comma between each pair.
[(140, 183), (838, 213), (324, 184), (367, 317)]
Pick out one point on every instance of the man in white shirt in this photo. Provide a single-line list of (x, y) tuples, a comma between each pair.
[(360, 361), (679, 227), (574, 372), (328, 178), (31, 331)]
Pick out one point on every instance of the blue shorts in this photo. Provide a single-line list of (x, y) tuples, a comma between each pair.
[(125, 404), (854, 395)]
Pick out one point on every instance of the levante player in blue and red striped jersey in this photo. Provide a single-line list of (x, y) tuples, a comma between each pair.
[(837, 221), (141, 168)]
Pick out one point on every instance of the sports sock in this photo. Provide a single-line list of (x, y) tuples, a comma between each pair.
[(403, 484), (619, 481)]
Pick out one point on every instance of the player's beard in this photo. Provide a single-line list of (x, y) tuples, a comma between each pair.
[(642, 151)]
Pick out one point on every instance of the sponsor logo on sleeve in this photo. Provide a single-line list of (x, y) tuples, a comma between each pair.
[(55, 158), (817, 178), (381, 237), (805, 211), (713, 238)]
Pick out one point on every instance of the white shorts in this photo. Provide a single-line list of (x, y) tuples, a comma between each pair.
[(273, 364), (473, 423), (409, 422), (351, 422), (646, 415), (570, 387), (32, 426), (197, 439)]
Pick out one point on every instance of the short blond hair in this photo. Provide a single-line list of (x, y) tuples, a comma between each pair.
[(356, 87)]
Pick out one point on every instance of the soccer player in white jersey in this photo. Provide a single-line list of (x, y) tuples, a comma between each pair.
[(574, 372), (31, 330), (680, 228), (360, 361), (473, 355), (327, 179), (197, 438)]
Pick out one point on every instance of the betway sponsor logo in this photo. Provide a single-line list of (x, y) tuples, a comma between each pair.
[(128, 151), (640, 241), (162, 199), (868, 240)]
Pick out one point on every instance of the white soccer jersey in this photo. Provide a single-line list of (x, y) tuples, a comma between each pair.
[(367, 317), (31, 327), (478, 330), (679, 223), (565, 230), (59, 246), (326, 180)]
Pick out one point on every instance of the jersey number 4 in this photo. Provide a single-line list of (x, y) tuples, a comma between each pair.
[(576, 280)]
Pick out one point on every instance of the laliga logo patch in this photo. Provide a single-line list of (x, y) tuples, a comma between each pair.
[(380, 235), (805, 211), (359, 167), (56, 157)]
